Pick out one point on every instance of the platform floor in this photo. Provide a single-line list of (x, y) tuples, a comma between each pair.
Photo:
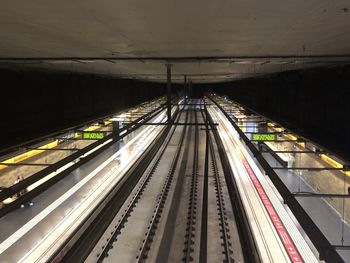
[(326, 218), (11, 225)]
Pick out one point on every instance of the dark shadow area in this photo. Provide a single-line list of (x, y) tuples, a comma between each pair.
[(37, 103), (313, 103)]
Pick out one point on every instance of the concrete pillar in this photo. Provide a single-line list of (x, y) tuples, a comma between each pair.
[(168, 74), (115, 125), (185, 88)]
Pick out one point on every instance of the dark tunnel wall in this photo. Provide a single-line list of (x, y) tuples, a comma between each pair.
[(314, 103), (34, 104)]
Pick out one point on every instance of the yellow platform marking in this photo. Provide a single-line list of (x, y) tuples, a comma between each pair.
[(29, 154)]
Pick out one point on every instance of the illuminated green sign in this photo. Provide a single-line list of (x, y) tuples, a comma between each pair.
[(264, 137), (93, 135)]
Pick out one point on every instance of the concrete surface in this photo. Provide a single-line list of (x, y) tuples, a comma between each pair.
[(174, 29)]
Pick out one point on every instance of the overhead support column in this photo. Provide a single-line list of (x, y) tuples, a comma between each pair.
[(190, 88), (168, 73), (115, 125), (185, 88)]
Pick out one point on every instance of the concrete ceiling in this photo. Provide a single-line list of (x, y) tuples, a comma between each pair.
[(208, 40)]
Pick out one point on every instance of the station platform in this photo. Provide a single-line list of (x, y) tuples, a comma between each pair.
[(201, 188), (25, 229), (38, 221), (8, 174), (325, 216), (61, 150), (318, 181)]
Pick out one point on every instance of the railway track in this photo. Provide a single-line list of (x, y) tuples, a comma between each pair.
[(221, 219), (115, 241), (155, 218), (192, 204), (177, 211)]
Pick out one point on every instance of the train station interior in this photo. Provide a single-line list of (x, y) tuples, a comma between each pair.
[(175, 131)]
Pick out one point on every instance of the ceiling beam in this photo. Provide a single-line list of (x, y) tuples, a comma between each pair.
[(263, 59)]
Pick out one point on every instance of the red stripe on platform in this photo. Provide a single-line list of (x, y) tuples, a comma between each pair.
[(276, 220)]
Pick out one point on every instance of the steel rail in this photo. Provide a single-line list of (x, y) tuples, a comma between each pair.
[(151, 230), (135, 199), (227, 249), (204, 223), (192, 209)]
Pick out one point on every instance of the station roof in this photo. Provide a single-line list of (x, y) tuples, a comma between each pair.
[(208, 40)]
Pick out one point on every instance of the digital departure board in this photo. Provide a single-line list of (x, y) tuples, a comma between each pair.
[(93, 135), (263, 137)]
